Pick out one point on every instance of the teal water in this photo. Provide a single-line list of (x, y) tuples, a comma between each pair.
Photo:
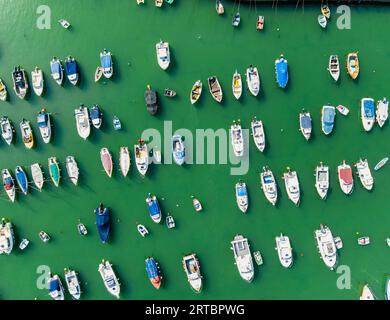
[(202, 44)]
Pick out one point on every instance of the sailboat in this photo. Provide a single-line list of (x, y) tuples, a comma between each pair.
[(237, 85), (258, 133), (253, 80), (37, 81), (215, 88), (322, 180), (334, 67)]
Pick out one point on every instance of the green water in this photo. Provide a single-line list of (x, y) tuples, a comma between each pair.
[(202, 44)]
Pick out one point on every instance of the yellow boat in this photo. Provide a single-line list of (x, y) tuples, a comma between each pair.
[(325, 11), (27, 134), (353, 65)]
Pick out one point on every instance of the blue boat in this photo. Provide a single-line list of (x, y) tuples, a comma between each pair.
[(96, 116), (153, 208), (116, 123), (72, 70), (153, 272), (103, 222), (327, 119), (178, 149), (56, 70), (281, 70), (106, 63), (368, 113), (21, 179)]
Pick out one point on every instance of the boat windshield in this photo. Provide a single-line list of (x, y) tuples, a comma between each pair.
[(268, 179), (153, 207), (42, 120), (106, 61)]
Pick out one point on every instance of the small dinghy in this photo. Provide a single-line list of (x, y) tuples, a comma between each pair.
[(8, 184), (20, 82), (258, 133), (124, 160), (322, 21), (170, 222), (237, 85), (237, 139), (98, 74), (140, 1), (343, 110), (109, 278), (388, 242), (215, 88), (169, 93), (242, 196), (102, 216), (368, 113), (73, 283), (106, 63), (345, 177), (37, 81), (326, 246), (27, 134), (56, 71), (106, 159), (56, 290), (334, 67), (197, 205), (281, 72), (305, 124), (21, 179), (96, 116), (258, 258), (364, 173), (142, 230), (3, 91), (44, 125), (325, 11), (381, 163), (141, 157), (23, 244), (83, 126), (219, 7), (253, 80), (322, 180), (157, 155), (196, 91), (6, 236), (178, 149), (353, 65), (236, 20), (72, 70), (284, 250), (338, 242), (116, 123), (158, 3), (64, 23), (7, 130), (37, 175), (43, 236), (363, 241), (260, 23), (82, 229), (153, 272), (163, 55), (72, 169), (327, 119), (192, 269), (367, 293), (153, 208), (268, 184), (382, 111), (151, 100), (292, 186), (54, 170)]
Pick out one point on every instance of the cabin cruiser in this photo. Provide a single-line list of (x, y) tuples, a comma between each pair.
[(243, 257)]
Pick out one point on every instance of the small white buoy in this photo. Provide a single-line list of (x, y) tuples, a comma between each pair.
[(177, 205), (281, 130), (162, 198)]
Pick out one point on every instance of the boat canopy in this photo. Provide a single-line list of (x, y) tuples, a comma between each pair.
[(346, 175), (306, 122), (281, 72), (369, 108), (43, 119), (102, 219), (328, 116), (105, 61), (267, 178), (94, 113), (241, 191), (54, 285), (55, 67), (71, 67), (153, 207), (151, 268)]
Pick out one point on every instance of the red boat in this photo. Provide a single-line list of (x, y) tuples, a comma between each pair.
[(260, 23)]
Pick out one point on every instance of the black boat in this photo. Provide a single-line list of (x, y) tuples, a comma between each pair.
[(103, 222), (151, 101)]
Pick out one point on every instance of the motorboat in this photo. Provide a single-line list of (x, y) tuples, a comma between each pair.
[(258, 258), (72, 70), (258, 133), (237, 139), (268, 184), (124, 160), (327, 119), (215, 88), (153, 272), (8, 184), (54, 170), (196, 91), (367, 293), (236, 19), (20, 82), (64, 23), (82, 121), (6, 237), (242, 196), (197, 205), (260, 23), (73, 283), (353, 65), (37, 81), (163, 54), (23, 244), (43, 236), (192, 269), (292, 186), (37, 175), (82, 229), (116, 123), (382, 111), (102, 215), (334, 67), (151, 100), (363, 241), (57, 73), (219, 7), (44, 125), (7, 130), (243, 257), (56, 290), (253, 80), (322, 21), (3, 91), (142, 230), (27, 133), (326, 246), (364, 173), (153, 208), (305, 125), (281, 71), (106, 159), (21, 179), (284, 250), (110, 279), (169, 93), (237, 85), (345, 177), (73, 169), (106, 63), (322, 180), (387, 291), (178, 149), (141, 157), (342, 109), (368, 113), (325, 11), (170, 222), (96, 116)]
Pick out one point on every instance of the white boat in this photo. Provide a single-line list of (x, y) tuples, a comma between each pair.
[(243, 257), (345, 177), (141, 157), (158, 3), (258, 134), (178, 149), (124, 160), (98, 73), (387, 292), (72, 169), (334, 67), (322, 21), (237, 139), (196, 91), (381, 163), (283, 247), (157, 154), (44, 125), (338, 242), (253, 80), (57, 72), (363, 241), (368, 113), (142, 230), (268, 184), (170, 222), (292, 186), (382, 111), (82, 229), (258, 258), (27, 133), (326, 246), (342, 109), (23, 244), (64, 23), (192, 269), (305, 125), (322, 180), (241, 196), (109, 278), (367, 293), (37, 175), (140, 1), (388, 242), (43, 236), (7, 130), (219, 7), (72, 283), (37, 81), (106, 63), (163, 55), (3, 91), (8, 184), (6, 237), (215, 88), (364, 173), (56, 290), (82, 121), (237, 85)]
